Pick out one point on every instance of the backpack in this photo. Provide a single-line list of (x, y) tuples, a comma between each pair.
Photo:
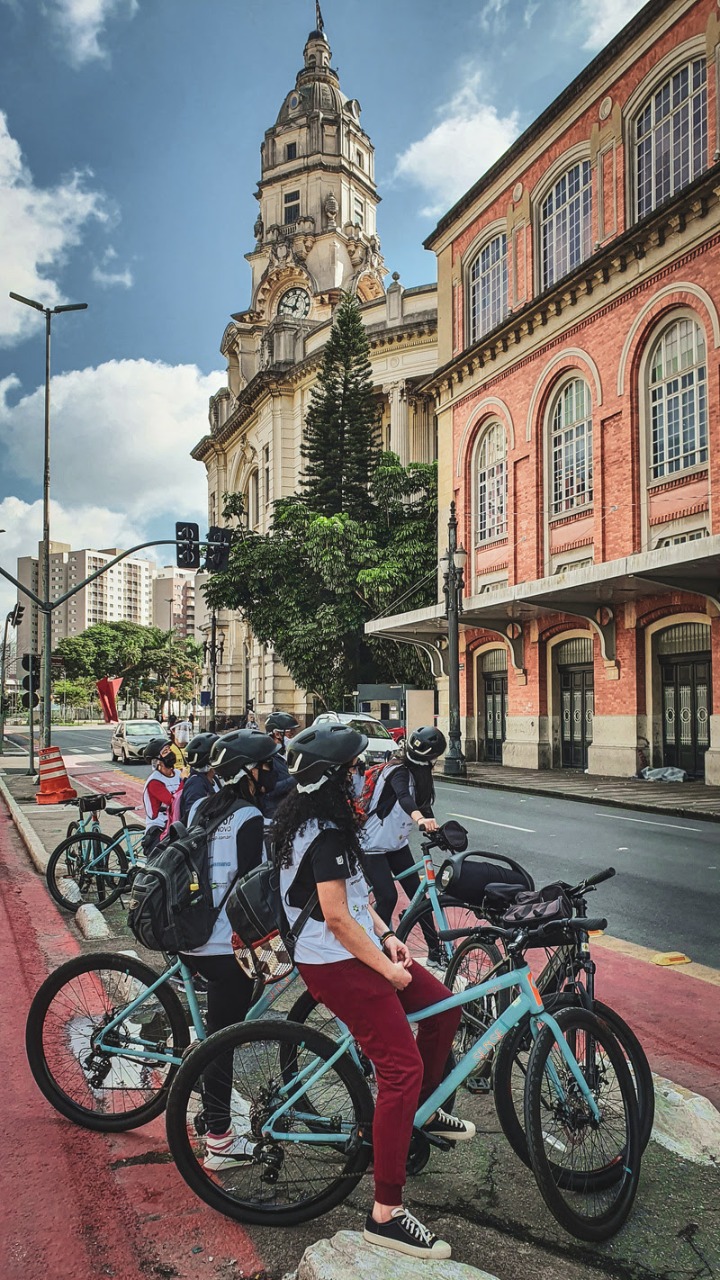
[(372, 784), (263, 941), (171, 907)]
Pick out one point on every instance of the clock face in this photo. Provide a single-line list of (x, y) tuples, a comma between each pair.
[(295, 303)]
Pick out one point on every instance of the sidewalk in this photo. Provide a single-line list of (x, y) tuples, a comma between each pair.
[(680, 799)]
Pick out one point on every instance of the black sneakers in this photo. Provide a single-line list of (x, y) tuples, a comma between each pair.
[(449, 1127), (406, 1235)]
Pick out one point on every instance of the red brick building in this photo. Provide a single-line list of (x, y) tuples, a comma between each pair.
[(579, 418)]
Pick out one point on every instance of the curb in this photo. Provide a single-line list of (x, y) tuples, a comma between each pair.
[(556, 793), (38, 853), (91, 922)]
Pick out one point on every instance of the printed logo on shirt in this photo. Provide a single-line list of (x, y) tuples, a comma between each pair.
[(340, 861)]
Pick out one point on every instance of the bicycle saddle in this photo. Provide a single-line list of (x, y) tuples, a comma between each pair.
[(115, 810)]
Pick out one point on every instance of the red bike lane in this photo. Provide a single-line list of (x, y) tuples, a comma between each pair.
[(77, 1203)]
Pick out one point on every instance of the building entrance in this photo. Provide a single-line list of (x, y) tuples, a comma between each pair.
[(686, 696), (495, 686), (577, 701)]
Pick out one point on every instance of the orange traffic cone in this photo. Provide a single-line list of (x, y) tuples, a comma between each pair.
[(54, 782)]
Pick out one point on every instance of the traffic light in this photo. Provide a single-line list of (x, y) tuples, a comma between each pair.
[(217, 552), (16, 616), (5, 705), (187, 540), (31, 682)]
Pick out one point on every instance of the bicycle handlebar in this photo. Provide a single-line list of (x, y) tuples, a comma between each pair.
[(592, 881), (106, 795), (535, 933)]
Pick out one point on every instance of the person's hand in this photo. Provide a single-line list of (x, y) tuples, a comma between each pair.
[(399, 977), (428, 824), (397, 952)]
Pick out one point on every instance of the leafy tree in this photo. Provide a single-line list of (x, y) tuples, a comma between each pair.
[(149, 659), (310, 585), (341, 427)]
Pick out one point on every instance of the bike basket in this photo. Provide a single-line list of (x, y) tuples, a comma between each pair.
[(91, 804)]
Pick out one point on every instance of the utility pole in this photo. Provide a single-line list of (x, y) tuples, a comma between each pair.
[(13, 619), (453, 564)]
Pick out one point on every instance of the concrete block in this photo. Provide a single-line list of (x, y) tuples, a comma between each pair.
[(686, 1123), (347, 1257), (91, 922)]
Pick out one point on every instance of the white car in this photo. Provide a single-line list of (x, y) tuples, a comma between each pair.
[(131, 738), (381, 744)]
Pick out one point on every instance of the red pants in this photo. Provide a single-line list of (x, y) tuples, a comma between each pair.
[(407, 1070)]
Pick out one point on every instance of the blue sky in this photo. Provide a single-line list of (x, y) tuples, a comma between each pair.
[(129, 153)]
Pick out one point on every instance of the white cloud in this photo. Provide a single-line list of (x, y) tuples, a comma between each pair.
[(110, 278), (470, 135), (493, 15), (81, 23), (38, 226), (603, 21)]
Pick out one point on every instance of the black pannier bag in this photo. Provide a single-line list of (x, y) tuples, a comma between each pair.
[(541, 906), (263, 942), (466, 877)]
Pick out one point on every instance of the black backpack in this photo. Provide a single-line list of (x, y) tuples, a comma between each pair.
[(171, 907)]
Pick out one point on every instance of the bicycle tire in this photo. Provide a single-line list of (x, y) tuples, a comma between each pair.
[(510, 1072), (101, 890), (409, 929), (72, 829), (270, 1168), (608, 1204), (54, 1036), (472, 963)]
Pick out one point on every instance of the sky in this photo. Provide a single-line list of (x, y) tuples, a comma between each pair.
[(130, 136)]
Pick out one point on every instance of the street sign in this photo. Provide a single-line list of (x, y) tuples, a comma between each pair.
[(205, 697)]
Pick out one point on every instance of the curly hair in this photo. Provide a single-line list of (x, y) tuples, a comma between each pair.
[(334, 803)]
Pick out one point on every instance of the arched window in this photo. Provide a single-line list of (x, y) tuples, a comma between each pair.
[(678, 399), (488, 281), (492, 484), (566, 223), (252, 500), (571, 448), (671, 136)]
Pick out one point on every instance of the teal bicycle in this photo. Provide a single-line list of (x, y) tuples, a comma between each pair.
[(105, 1035), (91, 866), (300, 1098)]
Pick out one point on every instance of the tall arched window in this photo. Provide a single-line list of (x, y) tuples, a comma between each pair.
[(571, 448), (492, 484), (678, 399), (566, 223), (252, 500), (671, 136), (488, 281)]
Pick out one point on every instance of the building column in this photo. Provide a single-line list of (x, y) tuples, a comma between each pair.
[(399, 421)]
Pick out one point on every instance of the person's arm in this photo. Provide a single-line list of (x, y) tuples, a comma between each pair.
[(399, 780), (249, 844), (332, 896), (158, 796)]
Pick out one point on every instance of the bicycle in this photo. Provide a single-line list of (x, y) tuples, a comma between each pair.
[(300, 1099), (568, 978), (105, 1035), (90, 865)]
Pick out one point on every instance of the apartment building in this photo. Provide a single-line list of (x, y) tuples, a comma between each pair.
[(173, 593)]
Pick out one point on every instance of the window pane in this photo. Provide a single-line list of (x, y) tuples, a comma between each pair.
[(678, 399), (488, 288), (492, 484), (671, 137), (571, 448), (566, 223)]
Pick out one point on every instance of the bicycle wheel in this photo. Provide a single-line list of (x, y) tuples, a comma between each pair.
[(510, 1072), (283, 1182), (568, 1146), (87, 868), (89, 1085), (472, 963), (417, 928)]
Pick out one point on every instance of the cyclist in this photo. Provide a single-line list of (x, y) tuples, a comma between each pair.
[(234, 848), (201, 781), (277, 781), (403, 797), (179, 738), (159, 790), (356, 966)]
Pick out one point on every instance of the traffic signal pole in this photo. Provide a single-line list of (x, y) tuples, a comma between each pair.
[(2, 684)]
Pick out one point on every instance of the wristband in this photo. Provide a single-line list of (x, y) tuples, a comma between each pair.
[(389, 933)]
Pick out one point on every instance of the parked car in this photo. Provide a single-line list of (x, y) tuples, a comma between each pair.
[(380, 745), (398, 733), (131, 738)]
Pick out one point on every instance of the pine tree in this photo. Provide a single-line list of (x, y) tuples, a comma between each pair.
[(341, 427)]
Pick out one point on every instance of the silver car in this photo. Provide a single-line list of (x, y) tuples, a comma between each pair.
[(131, 738)]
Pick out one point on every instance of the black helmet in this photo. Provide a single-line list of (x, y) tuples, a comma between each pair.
[(241, 749), (425, 745), (199, 748), (280, 721), (315, 754), (155, 748)]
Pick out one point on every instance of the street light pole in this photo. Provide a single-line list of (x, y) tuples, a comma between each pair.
[(453, 563), (48, 312)]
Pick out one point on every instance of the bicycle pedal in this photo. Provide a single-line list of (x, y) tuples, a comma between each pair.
[(434, 1140), (478, 1084)]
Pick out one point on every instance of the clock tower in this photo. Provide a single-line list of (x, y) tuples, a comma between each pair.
[(316, 232)]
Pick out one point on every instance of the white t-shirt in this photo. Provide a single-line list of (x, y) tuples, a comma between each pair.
[(223, 867), (317, 943), (382, 835)]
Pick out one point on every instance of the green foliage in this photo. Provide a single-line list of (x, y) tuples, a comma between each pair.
[(149, 660), (76, 693), (311, 584), (341, 428)]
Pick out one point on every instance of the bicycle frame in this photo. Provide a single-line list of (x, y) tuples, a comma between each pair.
[(93, 865), (528, 1001)]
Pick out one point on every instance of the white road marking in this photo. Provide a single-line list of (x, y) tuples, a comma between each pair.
[(508, 825), (615, 817)]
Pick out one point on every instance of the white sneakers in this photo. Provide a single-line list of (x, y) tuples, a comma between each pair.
[(226, 1149)]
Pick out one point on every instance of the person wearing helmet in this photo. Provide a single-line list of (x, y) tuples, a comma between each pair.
[(159, 790), (403, 798), (277, 781), (238, 759), (352, 963), (200, 782), (179, 737)]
